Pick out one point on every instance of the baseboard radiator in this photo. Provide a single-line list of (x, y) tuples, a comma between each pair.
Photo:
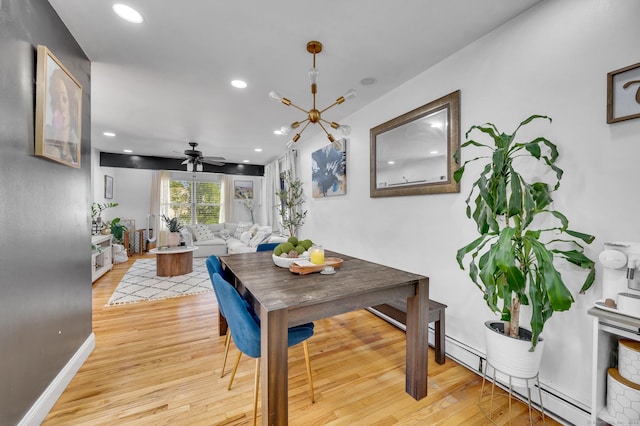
[(557, 405)]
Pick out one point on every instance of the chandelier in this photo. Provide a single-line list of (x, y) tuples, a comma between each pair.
[(314, 115)]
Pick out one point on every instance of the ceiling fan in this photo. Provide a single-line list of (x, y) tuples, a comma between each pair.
[(194, 159)]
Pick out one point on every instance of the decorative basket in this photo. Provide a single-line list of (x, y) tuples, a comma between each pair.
[(629, 360), (623, 398)]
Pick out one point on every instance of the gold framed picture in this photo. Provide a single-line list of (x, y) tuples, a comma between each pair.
[(58, 111)]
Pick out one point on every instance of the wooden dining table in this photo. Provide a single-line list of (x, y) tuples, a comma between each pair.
[(283, 299)]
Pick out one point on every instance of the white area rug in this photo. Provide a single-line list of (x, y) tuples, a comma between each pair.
[(141, 283)]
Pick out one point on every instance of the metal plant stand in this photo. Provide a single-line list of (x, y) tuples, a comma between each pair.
[(528, 381)]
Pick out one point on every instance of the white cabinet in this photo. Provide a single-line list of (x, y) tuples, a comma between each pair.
[(101, 256), (608, 328)]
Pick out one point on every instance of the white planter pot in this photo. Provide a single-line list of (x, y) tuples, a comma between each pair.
[(511, 356), (173, 239)]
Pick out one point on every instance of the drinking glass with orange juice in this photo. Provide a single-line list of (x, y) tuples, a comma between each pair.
[(316, 255)]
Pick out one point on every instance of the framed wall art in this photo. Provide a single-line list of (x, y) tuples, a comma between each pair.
[(243, 189), (58, 111), (623, 94), (108, 187), (413, 154), (329, 171)]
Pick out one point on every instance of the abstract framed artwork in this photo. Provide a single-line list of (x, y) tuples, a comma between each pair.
[(329, 171), (108, 187), (243, 189), (58, 111), (623, 94)]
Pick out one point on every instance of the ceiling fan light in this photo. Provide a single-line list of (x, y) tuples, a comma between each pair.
[(189, 166), (199, 167)]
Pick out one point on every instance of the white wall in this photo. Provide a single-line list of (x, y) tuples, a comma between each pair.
[(553, 60), (131, 190)]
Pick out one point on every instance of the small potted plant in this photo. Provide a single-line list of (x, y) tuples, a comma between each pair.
[(174, 227), (520, 236), (96, 218)]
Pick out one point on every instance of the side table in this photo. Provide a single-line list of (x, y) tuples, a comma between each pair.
[(172, 261)]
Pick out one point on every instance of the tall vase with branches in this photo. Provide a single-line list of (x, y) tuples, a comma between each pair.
[(291, 200)]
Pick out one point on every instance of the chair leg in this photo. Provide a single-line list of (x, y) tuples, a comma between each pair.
[(305, 345), (227, 344), (256, 387), (235, 368)]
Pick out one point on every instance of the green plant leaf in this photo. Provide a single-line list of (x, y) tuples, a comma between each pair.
[(516, 199), (584, 237)]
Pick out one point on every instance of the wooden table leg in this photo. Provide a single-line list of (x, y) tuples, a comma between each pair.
[(417, 341), (274, 367)]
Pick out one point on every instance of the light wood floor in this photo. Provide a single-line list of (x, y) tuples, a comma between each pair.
[(158, 363)]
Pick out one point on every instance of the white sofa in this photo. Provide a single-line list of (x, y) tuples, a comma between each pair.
[(229, 238)]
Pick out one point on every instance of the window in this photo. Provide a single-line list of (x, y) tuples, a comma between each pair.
[(194, 198)]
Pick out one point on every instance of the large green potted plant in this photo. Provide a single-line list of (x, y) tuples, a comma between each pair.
[(512, 261), (291, 201), (117, 230)]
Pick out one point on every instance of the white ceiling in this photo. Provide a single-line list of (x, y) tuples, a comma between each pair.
[(164, 82)]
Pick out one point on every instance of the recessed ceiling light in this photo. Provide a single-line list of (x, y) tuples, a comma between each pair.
[(127, 13), (258, 150), (245, 161), (239, 84), (128, 151), (368, 81), (433, 152), (110, 134), (391, 162)]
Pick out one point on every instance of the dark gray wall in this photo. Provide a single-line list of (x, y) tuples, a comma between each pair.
[(45, 277)]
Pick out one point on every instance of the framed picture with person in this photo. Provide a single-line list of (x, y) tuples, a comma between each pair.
[(58, 111)]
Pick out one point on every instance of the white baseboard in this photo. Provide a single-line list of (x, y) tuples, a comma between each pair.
[(557, 405), (48, 398)]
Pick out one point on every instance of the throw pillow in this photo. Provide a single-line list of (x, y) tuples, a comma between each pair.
[(202, 232), (242, 227), (259, 238), (245, 237)]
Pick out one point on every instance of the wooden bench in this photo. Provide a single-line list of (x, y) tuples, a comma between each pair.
[(397, 310)]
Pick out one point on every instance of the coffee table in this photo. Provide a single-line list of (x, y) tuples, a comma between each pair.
[(172, 261)]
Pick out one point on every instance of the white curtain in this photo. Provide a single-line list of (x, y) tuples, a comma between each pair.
[(159, 198), (226, 196), (272, 185), (291, 162)]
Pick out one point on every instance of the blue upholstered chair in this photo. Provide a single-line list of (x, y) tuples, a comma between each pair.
[(246, 333), (266, 246), (214, 267)]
